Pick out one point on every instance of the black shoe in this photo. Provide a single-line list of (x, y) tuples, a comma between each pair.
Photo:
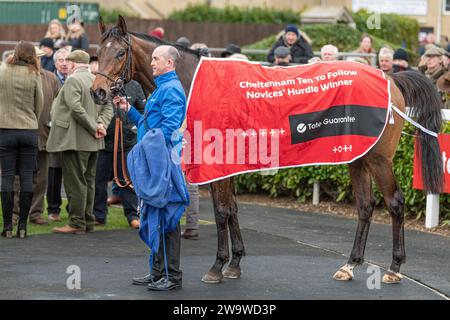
[(190, 234), (164, 285), (145, 280)]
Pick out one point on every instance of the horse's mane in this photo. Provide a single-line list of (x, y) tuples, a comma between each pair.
[(115, 33)]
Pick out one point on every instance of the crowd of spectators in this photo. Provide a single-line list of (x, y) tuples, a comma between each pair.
[(23, 137)]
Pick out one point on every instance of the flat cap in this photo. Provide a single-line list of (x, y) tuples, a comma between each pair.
[(79, 56), (434, 51), (282, 52)]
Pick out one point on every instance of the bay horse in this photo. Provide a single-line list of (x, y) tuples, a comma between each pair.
[(125, 55)]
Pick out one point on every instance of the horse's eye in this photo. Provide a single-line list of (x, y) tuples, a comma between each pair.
[(121, 53)]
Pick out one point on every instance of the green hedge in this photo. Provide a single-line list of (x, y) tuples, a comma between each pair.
[(393, 27), (342, 36), (298, 182), (109, 16), (234, 14)]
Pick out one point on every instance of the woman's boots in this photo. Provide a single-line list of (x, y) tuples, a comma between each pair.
[(7, 210), (25, 199)]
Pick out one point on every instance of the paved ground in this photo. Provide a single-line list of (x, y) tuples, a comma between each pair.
[(285, 260)]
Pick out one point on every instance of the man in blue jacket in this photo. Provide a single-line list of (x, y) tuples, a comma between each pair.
[(165, 109)]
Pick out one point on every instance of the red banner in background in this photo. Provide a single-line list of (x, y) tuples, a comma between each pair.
[(444, 143), (244, 117)]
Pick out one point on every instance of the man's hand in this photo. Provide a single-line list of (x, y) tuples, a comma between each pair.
[(101, 131), (122, 102)]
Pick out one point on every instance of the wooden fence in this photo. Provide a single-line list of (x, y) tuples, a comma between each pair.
[(213, 34)]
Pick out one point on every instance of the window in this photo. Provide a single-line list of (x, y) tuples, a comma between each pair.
[(447, 6)]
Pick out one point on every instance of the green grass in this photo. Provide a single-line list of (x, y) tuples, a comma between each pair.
[(116, 220)]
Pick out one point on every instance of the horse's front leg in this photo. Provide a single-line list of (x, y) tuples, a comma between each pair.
[(221, 195), (233, 270)]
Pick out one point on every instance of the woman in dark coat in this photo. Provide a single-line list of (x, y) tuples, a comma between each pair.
[(301, 51), (21, 103)]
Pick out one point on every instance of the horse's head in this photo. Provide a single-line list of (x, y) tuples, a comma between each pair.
[(115, 61)]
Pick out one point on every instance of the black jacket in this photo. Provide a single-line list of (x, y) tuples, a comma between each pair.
[(301, 51), (136, 97), (48, 64), (81, 43)]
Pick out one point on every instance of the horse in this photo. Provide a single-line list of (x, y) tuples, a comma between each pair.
[(125, 55)]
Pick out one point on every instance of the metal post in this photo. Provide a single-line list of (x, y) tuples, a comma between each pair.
[(316, 193), (432, 212)]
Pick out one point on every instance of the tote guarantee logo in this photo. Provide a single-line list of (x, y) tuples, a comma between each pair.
[(337, 121)]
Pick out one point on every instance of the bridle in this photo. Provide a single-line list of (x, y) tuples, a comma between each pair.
[(126, 74), (118, 88)]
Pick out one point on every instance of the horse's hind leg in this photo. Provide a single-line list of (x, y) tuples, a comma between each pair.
[(222, 195), (365, 203), (233, 270), (381, 169)]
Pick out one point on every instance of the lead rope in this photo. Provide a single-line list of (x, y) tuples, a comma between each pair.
[(119, 130)]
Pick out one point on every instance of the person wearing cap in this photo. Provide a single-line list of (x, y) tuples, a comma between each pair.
[(77, 37), (47, 62), (443, 85), (401, 61), (282, 56), (298, 43), (184, 42), (231, 49), (157, 33), (78, 126), (432, 65), (50, 87), (21, 104)]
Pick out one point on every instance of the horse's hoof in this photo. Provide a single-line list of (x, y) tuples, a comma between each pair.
[(392, 277), (212, 277), (232, 273), (343, 274)]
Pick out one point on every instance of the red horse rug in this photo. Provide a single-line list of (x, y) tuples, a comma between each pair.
[(243, 117)]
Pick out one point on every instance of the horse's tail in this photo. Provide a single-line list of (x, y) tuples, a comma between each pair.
[(420, 94)]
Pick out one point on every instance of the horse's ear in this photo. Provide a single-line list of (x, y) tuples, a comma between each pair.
[(122, 25), (101, 25)]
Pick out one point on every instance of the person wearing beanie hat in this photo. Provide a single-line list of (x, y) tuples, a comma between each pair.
[(77, 132), (230, 50), (47, 63), (401, 61), (294, 40), (184, 42), (292, 28)]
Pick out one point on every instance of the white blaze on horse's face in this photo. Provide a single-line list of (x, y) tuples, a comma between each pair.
[(108, 44)]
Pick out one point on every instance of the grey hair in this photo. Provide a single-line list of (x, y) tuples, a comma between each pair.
[(57, 53), (171, 52), (386, 52), (329, 48)]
